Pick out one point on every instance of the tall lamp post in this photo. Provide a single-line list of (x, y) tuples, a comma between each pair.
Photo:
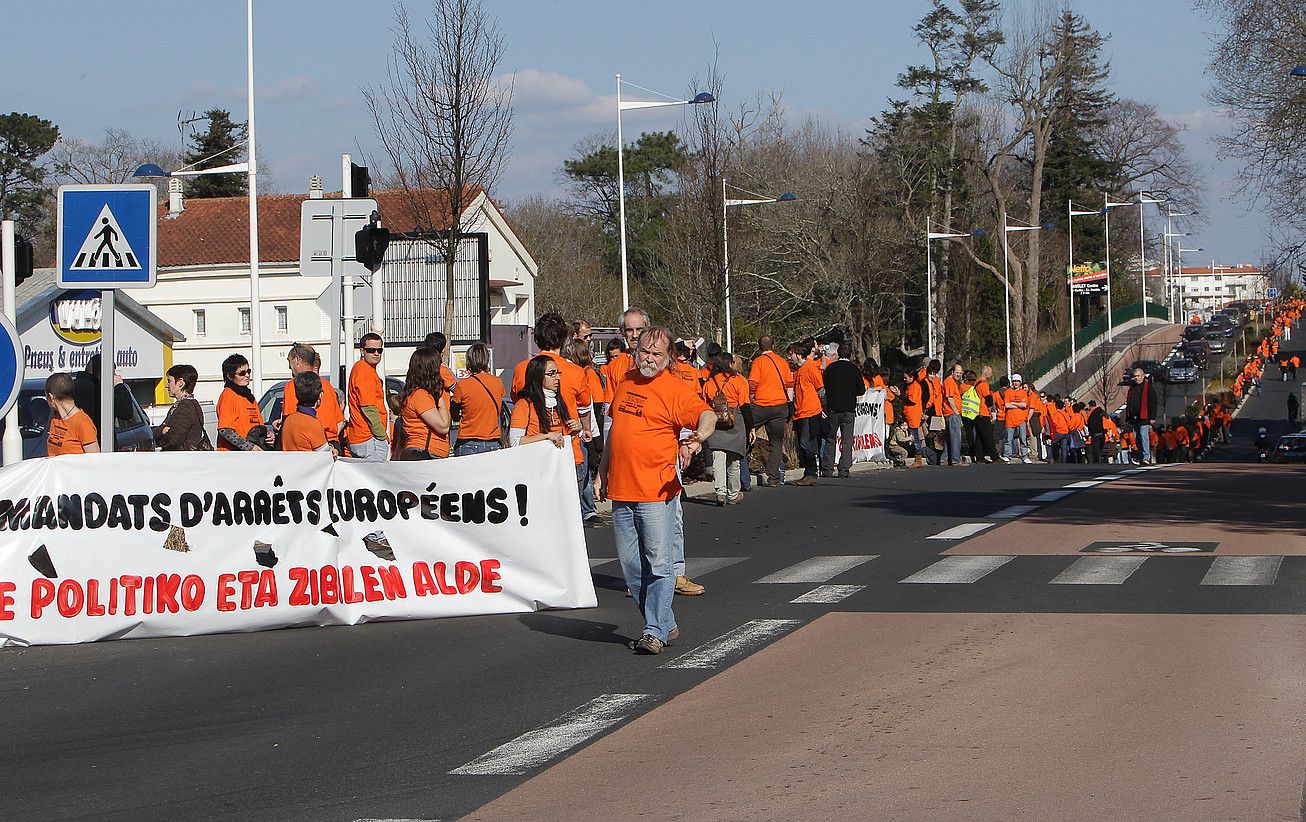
[(625, 105), (1179, 273), (1107, 205), (929, 278), (1071, 214), (249, 169), (1142, 253), (1006, 275), (727, 202), (1172, 289)]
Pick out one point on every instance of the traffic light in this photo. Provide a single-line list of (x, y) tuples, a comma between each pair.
[(370, 243), (360, 182), (22, 259)]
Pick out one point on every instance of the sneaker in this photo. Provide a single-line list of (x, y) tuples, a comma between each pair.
[(1026, 460), (845, 474), (1005, 459), (672, 636), (806, 481), (688, 587), (649, 644), (735, 499)]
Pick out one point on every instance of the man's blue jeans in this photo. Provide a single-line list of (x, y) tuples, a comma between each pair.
[(954, 438), (1017, 436), (808, 433), (645, 533), (1143, 436), (585, 487), (465, 447)]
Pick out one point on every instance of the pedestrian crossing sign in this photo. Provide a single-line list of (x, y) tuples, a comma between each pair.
[(107, 236)]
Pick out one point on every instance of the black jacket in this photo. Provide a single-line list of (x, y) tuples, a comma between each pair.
[(1095, 421), (843, 385), (1134, 403), (86, 393)]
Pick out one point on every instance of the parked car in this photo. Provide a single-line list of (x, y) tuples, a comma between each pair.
[(1216, 342), (134, 434), (1150, 368), (1178, 370), (1233, 314), (1291, 448)]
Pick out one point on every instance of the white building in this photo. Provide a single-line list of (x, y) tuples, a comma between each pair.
[(1206, 289), (203, 283)]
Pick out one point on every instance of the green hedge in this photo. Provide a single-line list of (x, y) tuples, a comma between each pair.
[(1060, 352)]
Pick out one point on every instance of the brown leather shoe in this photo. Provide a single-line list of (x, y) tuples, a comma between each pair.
[(806, 481), (687, 587)]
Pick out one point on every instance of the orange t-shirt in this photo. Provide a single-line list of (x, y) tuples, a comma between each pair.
[(936, 395), (237, 413), (1016, 416), (1058, 419), (647, 415), (417, 434), (951, 388), (365, 388), (525, 418), (807, 383), (1181, 435), (480, 399), (984, 392), (1077, 420), (911, 406), (69, 436), (302, 432), (769, 379), (614, 371), (879, 382), (734, 387), (1110, 430), (328, 408), (573, 386)]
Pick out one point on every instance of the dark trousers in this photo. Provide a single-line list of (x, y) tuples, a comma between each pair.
[(839, 424), (985, 446), (1095, 443), (774, 418), (807, 431)]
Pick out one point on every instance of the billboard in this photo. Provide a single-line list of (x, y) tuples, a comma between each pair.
[(1087, 278)]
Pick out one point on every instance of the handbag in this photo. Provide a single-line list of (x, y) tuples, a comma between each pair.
[(725, 415)]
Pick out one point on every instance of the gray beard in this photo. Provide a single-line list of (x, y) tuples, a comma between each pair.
[(649, 370)]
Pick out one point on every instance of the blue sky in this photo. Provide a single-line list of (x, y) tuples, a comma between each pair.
[(89, 66)]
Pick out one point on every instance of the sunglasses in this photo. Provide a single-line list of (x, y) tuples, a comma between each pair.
[(373, 350), (244, 372)]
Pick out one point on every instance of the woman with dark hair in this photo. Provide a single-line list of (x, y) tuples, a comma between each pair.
[(424, 408), (479, 398), (183, 427), (240, 423), (539, 414), (727, 394)]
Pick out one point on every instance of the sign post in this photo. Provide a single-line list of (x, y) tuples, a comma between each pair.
[(107, 239), (12, 447)]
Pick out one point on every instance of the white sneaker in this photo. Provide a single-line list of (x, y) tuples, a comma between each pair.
[(1006, 459), (1026, 460)]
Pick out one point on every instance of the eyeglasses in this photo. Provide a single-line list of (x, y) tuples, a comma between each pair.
[(244, 372), (552, 373), (373, 350)]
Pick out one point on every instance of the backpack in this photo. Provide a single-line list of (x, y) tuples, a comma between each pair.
[(725, 415)]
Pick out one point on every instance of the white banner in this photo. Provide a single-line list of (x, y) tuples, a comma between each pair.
[(109, 546), (869, 429)]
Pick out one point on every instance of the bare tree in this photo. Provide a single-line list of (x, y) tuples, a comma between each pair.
[(569, 249), (444, 119), (1149, 152), (112, 160)]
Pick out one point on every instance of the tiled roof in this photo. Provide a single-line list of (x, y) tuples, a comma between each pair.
[(215, 231)]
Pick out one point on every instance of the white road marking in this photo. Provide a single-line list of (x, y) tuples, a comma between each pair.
[(1013, 512), (1051, 496), (1133, 471), (1084, 484), (369, 819), (816, 569), (826, 595), (1099, 571), (1107, 477), (1243, 571), (698, 566), (959, 569), (734, 643), (962, 531), (535, 748)]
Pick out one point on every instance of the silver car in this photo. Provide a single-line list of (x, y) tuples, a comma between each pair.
[(1181, 370)]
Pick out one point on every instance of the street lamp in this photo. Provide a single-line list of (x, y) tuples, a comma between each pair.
[(249, 168), (929, 279), (1107, 205), (1071, 214), (1179, 258), (727, 203), (702, 97), (1171, 290), (1142, 253), (1006, 276)]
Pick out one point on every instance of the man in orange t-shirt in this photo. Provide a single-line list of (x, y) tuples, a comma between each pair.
[(809, 387), (301, 358), (71, 430), (639, 474), (1016, 402), (771, 389), (368, 431), (952, 413)]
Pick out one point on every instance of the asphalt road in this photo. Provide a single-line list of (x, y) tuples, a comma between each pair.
[(367, 722)]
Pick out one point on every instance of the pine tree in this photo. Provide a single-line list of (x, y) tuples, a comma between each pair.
[(217, 147)]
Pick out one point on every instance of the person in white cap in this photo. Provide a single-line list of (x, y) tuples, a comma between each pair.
[(1016, 402)]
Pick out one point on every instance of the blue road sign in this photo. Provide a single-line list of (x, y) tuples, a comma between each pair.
[(107, 236), (11, 365), (1272, 293)]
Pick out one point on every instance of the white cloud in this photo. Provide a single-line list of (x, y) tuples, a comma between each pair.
[(292, 88)]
